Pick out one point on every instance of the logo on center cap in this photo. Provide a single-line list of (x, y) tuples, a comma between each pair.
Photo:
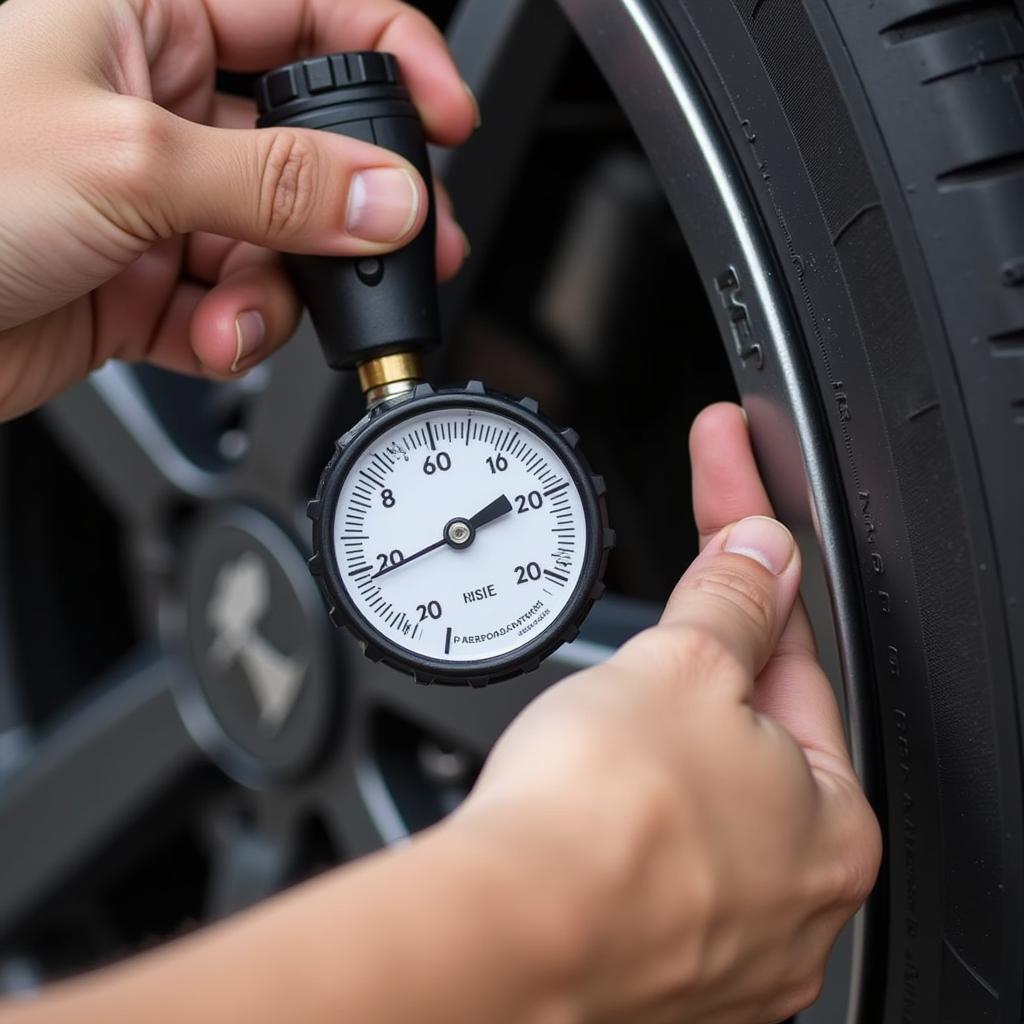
[(256, 685), (238, 602)]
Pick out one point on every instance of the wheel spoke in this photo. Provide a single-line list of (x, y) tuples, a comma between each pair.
[(354, 795), (492, 44), (250, 860), (472, 720), (298, 413), (355, 801), (468, 719), (87, 779), (122, 447)]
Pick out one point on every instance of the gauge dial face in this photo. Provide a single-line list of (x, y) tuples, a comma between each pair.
[(460, 534)]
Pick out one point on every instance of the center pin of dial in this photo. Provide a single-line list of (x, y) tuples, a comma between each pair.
[(459, 533)]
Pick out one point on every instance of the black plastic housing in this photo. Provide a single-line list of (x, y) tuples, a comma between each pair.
[(366, 307)]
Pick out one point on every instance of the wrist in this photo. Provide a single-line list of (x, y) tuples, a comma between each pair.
[(522, 885), (619, 888), (462, 925), (566, 877)]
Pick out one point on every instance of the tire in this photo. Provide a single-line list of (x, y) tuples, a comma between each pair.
[(880, 151)]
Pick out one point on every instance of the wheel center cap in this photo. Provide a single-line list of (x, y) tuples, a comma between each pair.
[(258, 695), (238, 604)]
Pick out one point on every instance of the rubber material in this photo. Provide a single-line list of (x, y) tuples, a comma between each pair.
[(566, 625), (883, 144), (367, 307)]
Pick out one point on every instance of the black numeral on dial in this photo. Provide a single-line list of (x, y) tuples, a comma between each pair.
[(430, 610), (528, 572), (526, 502), (441, 461), (385, 559)]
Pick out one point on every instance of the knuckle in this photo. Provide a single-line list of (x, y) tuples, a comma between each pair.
[(840, 887), (856, 885), (288, 182), (648, 650), (747, 594), (800, 994), (851, 875), (647, 645), (863, 870), (703, 647), (126, 172), (705, 895), (670, 652), (138, 148)]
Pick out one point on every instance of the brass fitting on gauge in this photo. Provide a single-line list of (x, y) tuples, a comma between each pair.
[(387, 376)]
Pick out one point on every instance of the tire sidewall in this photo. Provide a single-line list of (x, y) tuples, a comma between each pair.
[(844, 261)]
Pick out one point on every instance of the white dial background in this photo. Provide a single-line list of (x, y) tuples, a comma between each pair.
[(509, 585)]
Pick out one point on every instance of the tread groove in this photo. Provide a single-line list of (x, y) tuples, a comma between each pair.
[(1012, 62), (961, 12), (982, 172), (1008, 343)]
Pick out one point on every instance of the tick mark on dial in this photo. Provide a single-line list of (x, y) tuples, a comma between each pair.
[(448, 641)]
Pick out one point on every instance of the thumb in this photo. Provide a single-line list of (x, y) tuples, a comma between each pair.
[(739, 592), (291, 189)]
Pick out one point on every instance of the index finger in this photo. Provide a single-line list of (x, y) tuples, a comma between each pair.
[(253, 35), (727, 487), (792, 688), (726, 483)]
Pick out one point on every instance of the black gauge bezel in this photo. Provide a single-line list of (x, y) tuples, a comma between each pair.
[(589, 587)]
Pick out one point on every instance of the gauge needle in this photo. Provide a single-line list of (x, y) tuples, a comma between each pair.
[(494, 510)]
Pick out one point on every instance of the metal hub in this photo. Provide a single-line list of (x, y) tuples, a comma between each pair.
[(244, 613), (459, 533)]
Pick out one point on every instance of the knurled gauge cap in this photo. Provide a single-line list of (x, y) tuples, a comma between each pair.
[(314, 79)]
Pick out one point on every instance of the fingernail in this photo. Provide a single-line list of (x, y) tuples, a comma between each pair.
[(383, 204), (477, 118), (764, 540), (250, 329), (467, 249)]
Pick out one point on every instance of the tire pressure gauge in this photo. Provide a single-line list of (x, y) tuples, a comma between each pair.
[(457, 533)]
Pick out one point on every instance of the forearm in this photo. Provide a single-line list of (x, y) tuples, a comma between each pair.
[(437, 931)]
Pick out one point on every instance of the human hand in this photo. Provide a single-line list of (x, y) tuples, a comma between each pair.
[(688, 809), (142, 207), (675, 835)]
